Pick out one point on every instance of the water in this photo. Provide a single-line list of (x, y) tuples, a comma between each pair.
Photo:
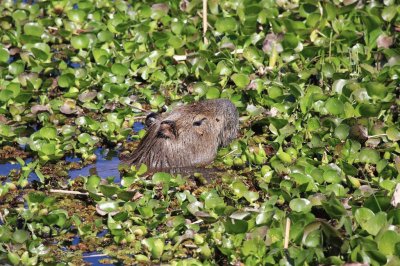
[(94, 257), (7, 167), (91, 257), (105, 166), (137, 126)]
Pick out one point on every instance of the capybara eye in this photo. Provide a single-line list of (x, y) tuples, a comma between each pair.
[(199, 122)]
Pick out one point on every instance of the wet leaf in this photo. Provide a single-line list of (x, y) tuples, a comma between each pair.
[(300, 205)]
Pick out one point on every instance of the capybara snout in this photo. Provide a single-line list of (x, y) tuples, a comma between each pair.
[(187, 136)]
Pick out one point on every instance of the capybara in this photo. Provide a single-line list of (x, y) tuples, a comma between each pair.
[(188, 136)]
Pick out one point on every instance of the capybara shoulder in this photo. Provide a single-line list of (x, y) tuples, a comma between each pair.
[(187, 136)]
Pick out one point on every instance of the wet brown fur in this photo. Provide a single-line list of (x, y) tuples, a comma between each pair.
[(188, 136)]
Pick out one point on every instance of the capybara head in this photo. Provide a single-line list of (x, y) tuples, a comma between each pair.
[(188, 136)]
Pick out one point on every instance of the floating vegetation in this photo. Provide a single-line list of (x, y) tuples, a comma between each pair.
[(313, 178)]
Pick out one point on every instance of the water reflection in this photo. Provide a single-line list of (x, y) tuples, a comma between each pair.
[(105, 166)]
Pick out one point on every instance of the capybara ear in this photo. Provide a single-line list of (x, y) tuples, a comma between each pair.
[(167, 129), (150, 119)]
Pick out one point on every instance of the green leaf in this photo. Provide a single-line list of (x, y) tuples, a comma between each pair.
[(368, 155), (239, 189), (33, 28), (334, 106), (80, 42), (369, 110), (108, 191), (213, 93), (48, 132), (224, 25), (233, 226), (175, 42), (155, 246), (334, 207), (16, 68), (375, 224), (240, 80), (4, 55), (212, 200), (76, 15), (119, 69), (300, 205), (66, 80), (92, 183), (100, 56), (6, 130), (19, 15), (105, 36), (161, 178), (376, 90), (388, 241), (20, 236), (389, 12), (48, 149), (251, 196), (363, 215), (342, 131), (393, 133), (331, 176), (13, 258)]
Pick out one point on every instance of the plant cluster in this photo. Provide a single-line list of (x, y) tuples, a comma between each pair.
[(317, 87)]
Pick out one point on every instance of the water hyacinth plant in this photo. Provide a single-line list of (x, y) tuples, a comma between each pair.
[(313, 178)]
